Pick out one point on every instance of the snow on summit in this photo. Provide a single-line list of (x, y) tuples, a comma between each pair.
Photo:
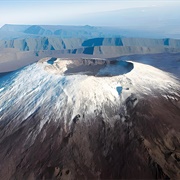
[(64, 89)]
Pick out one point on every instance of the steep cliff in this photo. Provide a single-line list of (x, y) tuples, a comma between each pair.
[(57, 43)]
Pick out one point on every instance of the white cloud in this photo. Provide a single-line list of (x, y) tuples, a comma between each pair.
[(59, 12)]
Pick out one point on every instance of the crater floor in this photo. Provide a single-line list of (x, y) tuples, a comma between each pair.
[(91, 67)]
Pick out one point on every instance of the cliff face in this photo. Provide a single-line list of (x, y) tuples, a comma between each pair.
[(56, 43), (59, 125), (125, 42), (37, 44)]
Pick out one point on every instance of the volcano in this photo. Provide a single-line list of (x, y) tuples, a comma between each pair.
[(89, 119)]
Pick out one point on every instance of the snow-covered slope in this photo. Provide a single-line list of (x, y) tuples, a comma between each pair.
[(45, 86), (44, 91)]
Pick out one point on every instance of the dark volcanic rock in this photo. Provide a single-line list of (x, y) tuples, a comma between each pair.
[(145, 145)]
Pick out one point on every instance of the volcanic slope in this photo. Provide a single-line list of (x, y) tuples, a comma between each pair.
[(63, 119)]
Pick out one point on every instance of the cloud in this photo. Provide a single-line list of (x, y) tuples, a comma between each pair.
[(62, 12)]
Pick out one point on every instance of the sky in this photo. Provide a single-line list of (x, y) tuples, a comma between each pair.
[(69, 12)]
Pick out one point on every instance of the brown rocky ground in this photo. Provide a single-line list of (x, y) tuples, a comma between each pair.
[(144, 145)]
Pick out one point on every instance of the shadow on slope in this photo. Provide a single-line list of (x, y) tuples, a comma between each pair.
[(7, 77)]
